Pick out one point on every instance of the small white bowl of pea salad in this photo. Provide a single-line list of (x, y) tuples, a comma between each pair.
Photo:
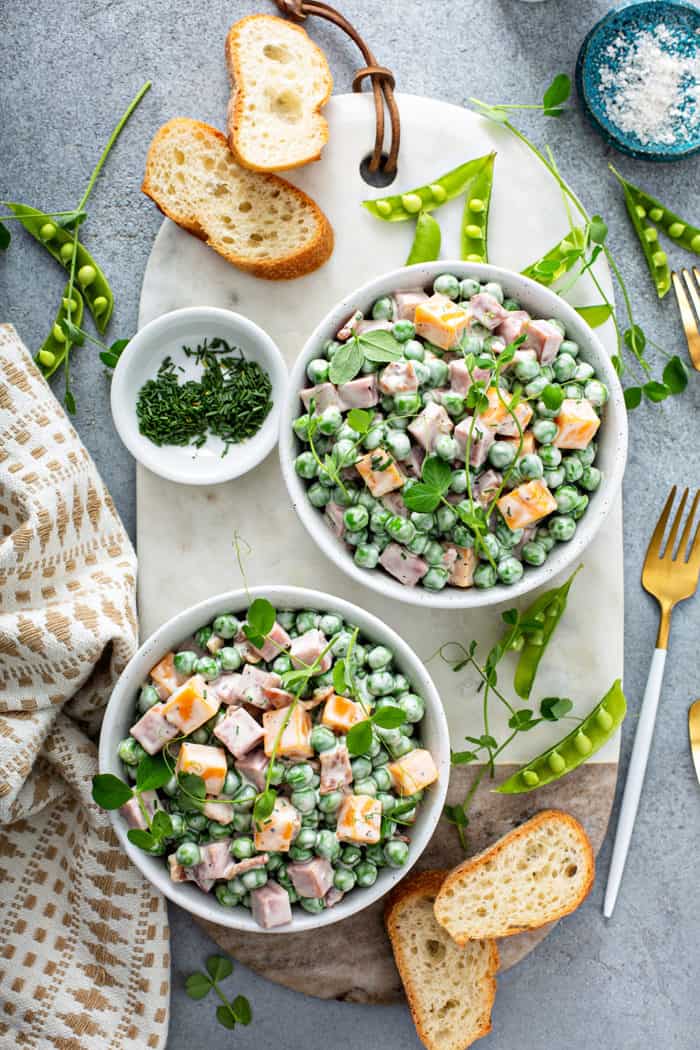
[(196, 395), (453, 435), (274, 760)]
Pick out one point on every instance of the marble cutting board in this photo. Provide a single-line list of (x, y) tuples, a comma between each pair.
[(185, 534)]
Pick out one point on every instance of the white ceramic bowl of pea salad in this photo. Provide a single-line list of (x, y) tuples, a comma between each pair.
[(431, 731), (610, 440)]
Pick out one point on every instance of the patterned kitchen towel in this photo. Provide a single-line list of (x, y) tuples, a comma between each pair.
[(84, 961)]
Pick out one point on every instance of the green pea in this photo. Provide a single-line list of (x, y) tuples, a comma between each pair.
[(148, 698), (383, 309), (208, 666), (232, 782), (501, 454), (66, 251), (534, 553), (476, 204), (86, 275), (531, 467), (230, 658), (510, 570), (447, 284), (396, 853), (573, 469), (412, 203), (330, 803), (556, 763), (484, 576), (438, 192), (188, 854), (344, 879), (403, 330), (99, 305), (366, 873), (604, 720), (46, 358), (300, 775), (530, 777), (582, 743), (58, 333), (562, 527), (383, 207), (47, 231)]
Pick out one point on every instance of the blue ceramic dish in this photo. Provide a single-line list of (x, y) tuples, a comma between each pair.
[(605, 47)]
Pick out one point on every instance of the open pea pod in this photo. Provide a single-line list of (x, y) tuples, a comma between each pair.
[(678, 230), (547, 610), (56, 347), (575, 748), (58, 242), (402, 206), (426, 240), (648, 236), (559, 259), (475, 218)]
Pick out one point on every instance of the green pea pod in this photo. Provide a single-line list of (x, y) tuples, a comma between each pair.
[(548, 610), (93, 284), (426, 241), (676, 229), (575, 748), (54, 350), (647, 234), (475, 218), (402, 206), (559, 259)]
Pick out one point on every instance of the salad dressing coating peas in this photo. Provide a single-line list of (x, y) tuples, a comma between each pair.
[(424, 198), (582, 742), (476, 214), (60, 245), (426, 240), (56, 347)]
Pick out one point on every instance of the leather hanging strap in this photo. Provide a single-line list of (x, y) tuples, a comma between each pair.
[(383, 82)]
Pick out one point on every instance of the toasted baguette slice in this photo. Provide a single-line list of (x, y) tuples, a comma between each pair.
[(280, 80), (533, 875), (450, 989), (260, 223)]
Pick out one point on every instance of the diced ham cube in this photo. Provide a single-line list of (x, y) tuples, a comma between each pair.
[(487, 310), (522, 412), (406, 303), (254, 681), (379, 472), (486, 485), (164, 676), (359, 393), (190, 706), (324, 396), (349, 326), (270, 906), (482, 439), (276, 641), (215, 643), (462, 565), (229, 688), (336, 771), (372, 326), (216, 859), (413, 771), (359, 819), (278, 697), (526, 505), (220, 812), (239, 867), (334, 515), (414, 464), (177, 872), (306, 649), (399, 377), (521, 355), (461, 380), (296, 735), (333, 897), (441, 321), (253, 766), (544, 338), (578, 424), (427, 427), (394, 502), (311, 878), (194, 875), (239, 732), (133, 814), (513, 325), (407, 568), (206, 762), (153, 730), (277, 832)]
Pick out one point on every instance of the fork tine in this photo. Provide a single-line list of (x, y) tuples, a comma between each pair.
[(671, 542), (685, 536), (694, 556), (692, 290), (658, 534), (690, 328)]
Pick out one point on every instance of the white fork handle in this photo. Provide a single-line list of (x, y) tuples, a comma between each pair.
[(635, 779)]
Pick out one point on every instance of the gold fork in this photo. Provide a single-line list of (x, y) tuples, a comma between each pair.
[(690, 325), (671, 576)]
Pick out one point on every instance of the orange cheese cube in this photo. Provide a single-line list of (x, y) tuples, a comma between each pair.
[(359, 819), (165, 677), (209, 763), (413, 771), (578, 424), (295, 741), (441, 321), (528, 446), (526, 504), (462, 571), (191, 705), (379, 472), (278, 831), (341, 714), (497, 412)]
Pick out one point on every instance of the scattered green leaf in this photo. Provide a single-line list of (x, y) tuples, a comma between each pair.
[(110, 792)]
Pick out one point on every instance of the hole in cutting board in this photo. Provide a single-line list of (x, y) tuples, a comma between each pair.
[(380, 178)]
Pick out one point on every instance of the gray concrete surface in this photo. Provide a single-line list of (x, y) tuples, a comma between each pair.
[(67, 70)]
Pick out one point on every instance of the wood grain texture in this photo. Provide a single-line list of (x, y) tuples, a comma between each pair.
[(352, 960)]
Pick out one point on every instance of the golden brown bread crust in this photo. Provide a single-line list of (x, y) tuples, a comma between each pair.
[(421, 885), (236, 103), (286, 267), (474, 862)]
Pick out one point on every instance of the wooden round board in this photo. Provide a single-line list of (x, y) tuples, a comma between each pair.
[(193, 527)]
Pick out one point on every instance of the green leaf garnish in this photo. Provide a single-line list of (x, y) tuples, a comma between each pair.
[(556, 94), (152, 773), (555, 707), (198, 985), (389, 717), (379, 346), (242, 1010), (260, 621), (264, 805), (5, 237), (595, 316), (142, 839), (346, 363), (110, 792), (359, 419), (675, 375), (219, 967), (359, 738)]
